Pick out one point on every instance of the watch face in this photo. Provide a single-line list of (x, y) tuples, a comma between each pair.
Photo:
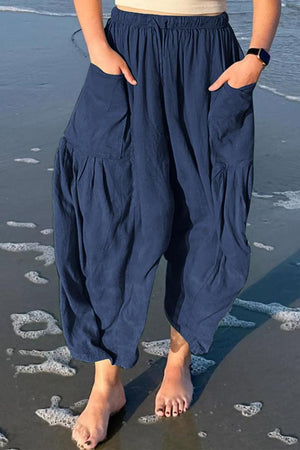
[(264, 55)]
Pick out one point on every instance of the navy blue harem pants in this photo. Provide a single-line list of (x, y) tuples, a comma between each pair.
[(161, 168)]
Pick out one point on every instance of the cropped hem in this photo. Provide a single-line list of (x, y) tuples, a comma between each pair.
[(195, 347), (101, 355)]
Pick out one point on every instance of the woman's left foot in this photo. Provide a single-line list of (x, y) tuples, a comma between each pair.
[(176, 390)]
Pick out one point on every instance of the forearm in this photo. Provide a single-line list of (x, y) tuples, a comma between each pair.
[(89, 14), (266, 15)]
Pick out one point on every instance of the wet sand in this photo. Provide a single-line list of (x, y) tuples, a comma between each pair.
[(42, 73)]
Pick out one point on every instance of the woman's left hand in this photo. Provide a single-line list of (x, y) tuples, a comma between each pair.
[(240, 73)]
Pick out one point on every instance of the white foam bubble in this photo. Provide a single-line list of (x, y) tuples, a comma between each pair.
[(35, 149), (161, 347), (80, 405), (249, 410), (257, 195), (202, 434), (47, 231), (34, 277), (158, 348), (37, 316), (12, 223), (294, 98), (199, 364), (269, 248), (57, 362), (231, 321), (27, 160), (10, 351), (47, 251), (149, 420), (289, 316), (3, 440), (55, 415), (293, 201), (289, 440)]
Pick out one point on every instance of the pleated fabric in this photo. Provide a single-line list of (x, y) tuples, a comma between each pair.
[(163, 168)]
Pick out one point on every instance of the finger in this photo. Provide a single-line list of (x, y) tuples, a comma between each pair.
[(128, 75), (217, 84)]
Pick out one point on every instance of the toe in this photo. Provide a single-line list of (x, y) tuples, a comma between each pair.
[(159, 408), (180, 405), (186, 404), (175, 408), (80, 434), (93, 441), (84, 436), (168, 408), (76, 432)]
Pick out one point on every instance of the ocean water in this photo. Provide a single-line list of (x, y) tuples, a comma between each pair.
[(280, 77)]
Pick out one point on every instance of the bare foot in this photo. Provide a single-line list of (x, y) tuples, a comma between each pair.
[(106, 398), (176, 390)]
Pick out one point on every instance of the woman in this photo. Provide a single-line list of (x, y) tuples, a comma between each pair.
[(156, 159)]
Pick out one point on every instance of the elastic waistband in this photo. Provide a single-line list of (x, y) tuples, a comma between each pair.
[(169, 21)]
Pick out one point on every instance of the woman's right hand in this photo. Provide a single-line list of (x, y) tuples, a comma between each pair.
[(111, 62)]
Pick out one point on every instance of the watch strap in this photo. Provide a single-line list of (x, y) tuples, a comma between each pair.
[(261, 53)]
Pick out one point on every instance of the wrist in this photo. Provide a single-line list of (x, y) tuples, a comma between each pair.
[(261, 53), (254, 61), (97, 47)]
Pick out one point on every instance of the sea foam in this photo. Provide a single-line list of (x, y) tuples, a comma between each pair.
[(34, 277), (55, 415), (292, 202), (37, 316), (249, 410), (289, 440), (269, 248), (27, 160), (12, 223), (161, 348), (57, 362), (47, 231), (47, 251), (289, 316)]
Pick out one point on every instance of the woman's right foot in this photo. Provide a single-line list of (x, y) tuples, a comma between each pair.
[(107, 397)]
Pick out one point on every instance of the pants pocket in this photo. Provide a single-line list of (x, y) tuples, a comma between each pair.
[(100, 121), (231, 123)]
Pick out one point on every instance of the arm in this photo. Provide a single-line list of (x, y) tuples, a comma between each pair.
[(266, 14), (89, 14)]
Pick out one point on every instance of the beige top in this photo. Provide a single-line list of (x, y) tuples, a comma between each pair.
[(176, 6)]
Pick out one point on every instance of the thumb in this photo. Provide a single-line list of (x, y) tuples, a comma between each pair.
[(128, 75), (217, 84)]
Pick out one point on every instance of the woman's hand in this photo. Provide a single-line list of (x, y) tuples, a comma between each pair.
[(111, 62), (240, 73)]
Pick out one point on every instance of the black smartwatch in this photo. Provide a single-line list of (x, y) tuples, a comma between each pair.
[(261, 53)]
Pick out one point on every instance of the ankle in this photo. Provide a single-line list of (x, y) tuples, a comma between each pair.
[(106, 373), (178, 361), (106, 382)]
